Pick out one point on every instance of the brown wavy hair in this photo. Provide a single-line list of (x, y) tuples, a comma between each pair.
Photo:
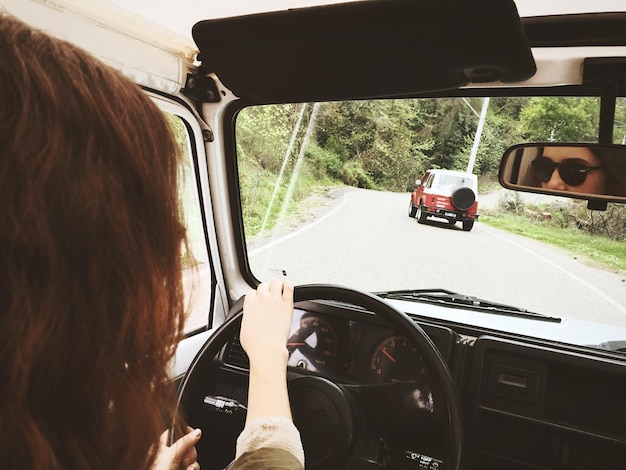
[(91, 304)]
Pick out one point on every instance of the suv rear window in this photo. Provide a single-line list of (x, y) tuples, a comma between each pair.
[(453, 180)]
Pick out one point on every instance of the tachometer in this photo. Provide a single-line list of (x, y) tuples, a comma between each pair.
[(396, 359), (313, 345)]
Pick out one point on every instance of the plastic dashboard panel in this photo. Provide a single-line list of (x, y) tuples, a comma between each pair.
[(538, 406)]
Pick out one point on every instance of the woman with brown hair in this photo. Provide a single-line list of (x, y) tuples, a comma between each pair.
[(90, 268), (91, 304)]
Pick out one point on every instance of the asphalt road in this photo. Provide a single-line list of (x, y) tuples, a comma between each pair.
[(381, 248)]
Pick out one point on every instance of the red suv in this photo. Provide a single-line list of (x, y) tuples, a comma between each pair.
[(446, 194)]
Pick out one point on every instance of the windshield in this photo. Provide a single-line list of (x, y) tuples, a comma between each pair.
[(325, 189)]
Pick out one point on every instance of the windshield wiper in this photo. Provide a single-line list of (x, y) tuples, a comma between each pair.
[(454, 299)]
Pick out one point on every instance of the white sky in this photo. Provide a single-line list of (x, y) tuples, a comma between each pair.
[(181, 15)]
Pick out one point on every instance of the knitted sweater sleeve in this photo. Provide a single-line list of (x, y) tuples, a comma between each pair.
[(275, 432)]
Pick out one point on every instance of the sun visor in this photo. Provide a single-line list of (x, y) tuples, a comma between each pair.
[(366, 49)]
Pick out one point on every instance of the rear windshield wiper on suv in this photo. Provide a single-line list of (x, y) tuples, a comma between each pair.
[(454, 299)]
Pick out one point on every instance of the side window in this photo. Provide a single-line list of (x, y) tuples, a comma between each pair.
[(195, 257), (429, 180)]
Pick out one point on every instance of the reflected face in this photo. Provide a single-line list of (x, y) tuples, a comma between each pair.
[(574, 169)]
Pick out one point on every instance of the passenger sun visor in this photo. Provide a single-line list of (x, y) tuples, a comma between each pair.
[(366, 49)]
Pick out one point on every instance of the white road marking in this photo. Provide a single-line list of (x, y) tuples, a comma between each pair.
[(594, 289)]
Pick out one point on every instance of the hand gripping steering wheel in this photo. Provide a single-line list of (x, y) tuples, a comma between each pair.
[(343, 426)]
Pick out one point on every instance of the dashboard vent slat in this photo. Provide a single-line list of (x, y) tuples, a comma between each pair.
[(594, 455), (235, 355)]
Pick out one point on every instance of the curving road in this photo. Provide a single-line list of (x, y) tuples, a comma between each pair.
[(381, 248)]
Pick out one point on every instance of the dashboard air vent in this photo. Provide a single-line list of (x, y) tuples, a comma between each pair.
[(591, 454), (543, 446), (516, 440)]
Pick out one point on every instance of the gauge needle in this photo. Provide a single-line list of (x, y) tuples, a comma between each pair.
[(295, 344), (384, 351)]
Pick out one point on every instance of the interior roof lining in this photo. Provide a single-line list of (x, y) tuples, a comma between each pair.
[(542, 32), (350, 49), (583, 29)]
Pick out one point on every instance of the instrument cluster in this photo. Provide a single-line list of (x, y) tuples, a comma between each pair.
[(357, 352)]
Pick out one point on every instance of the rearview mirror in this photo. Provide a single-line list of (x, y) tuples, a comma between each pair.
[(582, 171)]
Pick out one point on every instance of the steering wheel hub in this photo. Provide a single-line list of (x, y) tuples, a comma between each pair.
[(323, 414)]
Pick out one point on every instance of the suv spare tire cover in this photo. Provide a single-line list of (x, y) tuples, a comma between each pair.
[(463, 198)]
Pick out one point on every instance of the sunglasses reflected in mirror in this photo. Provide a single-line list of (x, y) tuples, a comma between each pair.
[(584, 171)]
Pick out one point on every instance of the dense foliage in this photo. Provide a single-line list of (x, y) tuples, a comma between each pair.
[(388, 144)]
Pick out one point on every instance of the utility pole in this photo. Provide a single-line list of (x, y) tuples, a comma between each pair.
[(479, 131)]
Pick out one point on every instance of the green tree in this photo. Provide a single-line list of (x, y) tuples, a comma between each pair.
[(378, 142), (450, 122), (564, 119), (619, 128)]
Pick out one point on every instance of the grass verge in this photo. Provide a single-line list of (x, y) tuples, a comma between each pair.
[(598, 249)]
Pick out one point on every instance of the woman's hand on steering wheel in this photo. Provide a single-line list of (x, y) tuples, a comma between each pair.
[(266, 322)]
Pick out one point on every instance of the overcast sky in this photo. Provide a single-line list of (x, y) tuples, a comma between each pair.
[(181, 15)]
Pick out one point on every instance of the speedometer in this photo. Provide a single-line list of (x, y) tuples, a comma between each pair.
[(396, 359), (313, 345)]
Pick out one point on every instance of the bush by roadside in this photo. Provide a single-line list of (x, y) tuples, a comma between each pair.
[(568, 214)]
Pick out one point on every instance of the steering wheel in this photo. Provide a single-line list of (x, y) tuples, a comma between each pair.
[(341, 425)]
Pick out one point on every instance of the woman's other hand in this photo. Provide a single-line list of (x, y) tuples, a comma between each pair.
[(180, 455)]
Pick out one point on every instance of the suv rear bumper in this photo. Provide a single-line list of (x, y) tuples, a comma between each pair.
[(449, 214)]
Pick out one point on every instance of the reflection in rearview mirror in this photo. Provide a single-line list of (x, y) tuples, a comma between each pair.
[(583, 171)]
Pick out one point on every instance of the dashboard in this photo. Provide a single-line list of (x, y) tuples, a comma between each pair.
[(518, 393), (352, 378)]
